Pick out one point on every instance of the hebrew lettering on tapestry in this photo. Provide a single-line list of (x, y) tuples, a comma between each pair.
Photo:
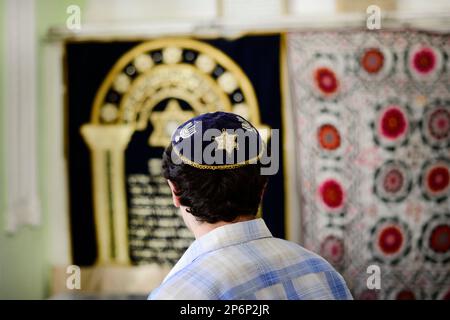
[(124, 101)]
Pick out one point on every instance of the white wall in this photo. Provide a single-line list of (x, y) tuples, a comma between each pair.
[(145, 10)]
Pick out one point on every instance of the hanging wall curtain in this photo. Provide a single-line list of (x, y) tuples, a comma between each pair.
[(124, 101), (21, 115), (372, 118)]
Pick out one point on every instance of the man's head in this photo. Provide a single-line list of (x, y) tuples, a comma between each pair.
[(214, 192)]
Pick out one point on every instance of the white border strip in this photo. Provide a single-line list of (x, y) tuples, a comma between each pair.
[(21, 115)]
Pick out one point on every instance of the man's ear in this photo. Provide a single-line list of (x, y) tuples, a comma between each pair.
[(176, 200)]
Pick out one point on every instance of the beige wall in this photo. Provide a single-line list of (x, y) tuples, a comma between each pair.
[(24, 255)]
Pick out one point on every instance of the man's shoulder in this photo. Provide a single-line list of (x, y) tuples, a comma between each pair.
[(232, 271), (262, 254), (184, 285), (296, 252)]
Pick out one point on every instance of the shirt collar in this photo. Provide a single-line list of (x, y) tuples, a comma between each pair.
[(221, 237)]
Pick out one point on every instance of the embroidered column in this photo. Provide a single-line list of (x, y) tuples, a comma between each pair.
[(107, 145)]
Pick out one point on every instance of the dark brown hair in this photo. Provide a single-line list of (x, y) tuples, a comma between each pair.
[(216, 195)]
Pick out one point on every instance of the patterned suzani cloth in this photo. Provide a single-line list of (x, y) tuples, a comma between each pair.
[(372, 114)]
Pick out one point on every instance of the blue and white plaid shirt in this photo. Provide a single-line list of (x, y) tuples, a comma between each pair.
[(243, 261)]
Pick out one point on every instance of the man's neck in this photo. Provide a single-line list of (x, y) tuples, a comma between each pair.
[(199, 229)]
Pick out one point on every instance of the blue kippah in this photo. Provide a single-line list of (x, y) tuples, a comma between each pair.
[(217, 140)]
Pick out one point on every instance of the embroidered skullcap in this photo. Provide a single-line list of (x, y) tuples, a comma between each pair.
[(217, 141)]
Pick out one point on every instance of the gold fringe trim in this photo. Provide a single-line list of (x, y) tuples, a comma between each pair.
[(216, 167)]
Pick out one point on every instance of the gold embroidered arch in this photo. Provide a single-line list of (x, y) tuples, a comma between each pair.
[(184, 78)]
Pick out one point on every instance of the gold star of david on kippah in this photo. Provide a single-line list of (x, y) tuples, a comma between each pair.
[(227, 142)]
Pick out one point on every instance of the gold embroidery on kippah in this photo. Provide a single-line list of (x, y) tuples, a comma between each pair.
[(217, 167), (227, 142)]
